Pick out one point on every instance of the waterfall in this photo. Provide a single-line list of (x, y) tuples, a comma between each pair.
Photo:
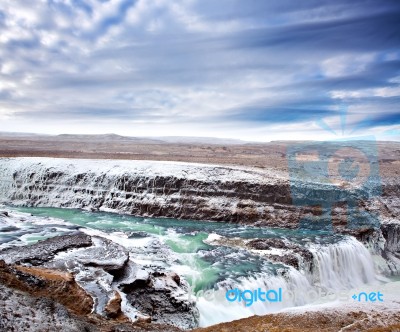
[(157, 189), (215, 309), (347, 264), (337, 267)]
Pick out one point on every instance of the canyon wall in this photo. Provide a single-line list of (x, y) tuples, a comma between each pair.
[(252, 196)]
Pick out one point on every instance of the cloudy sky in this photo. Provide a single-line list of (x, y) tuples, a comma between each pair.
[(256, 70)]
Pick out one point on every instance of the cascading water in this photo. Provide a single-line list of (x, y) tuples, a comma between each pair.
[(338, 262), (344, 265), (209, 269), (336, 267)]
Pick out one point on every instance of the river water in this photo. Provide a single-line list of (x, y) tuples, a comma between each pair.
[(339, 263)]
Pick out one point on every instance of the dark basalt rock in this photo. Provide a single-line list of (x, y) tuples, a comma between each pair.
[(100, 267), (43, 251), (6, 229), (391, 233), (266, 244), (384, 242), (23, 312), (106, 254), (95, 269), (391, 250), (294, 256), (4, 213), (155, 297), (287, 259)]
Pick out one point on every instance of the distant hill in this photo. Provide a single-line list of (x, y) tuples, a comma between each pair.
[(114, 137), (107, 138), (202, 140)]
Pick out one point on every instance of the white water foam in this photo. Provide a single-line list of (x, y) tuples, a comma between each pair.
[(338, 268), (344, 265)]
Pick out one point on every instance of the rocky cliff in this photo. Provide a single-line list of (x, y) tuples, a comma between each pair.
[(254, 196), (186, 191)]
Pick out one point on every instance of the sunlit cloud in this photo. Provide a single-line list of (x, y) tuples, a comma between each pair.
[(254, 70)]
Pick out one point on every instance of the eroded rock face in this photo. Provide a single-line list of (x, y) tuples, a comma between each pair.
[(391, 249), (199, 192), (22, 312), (113, 307), (153, 295), (384, 243), (93, 268), (391, 233), (294, 255), (266, 244), (87, 273), (105, 254), (147, 189), (56, 285), (273, 249)]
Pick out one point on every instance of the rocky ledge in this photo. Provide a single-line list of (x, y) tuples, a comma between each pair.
[(272, 249), (22, 311), (90, 276), (257, 196)]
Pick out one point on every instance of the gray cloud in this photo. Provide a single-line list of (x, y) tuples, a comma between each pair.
[(228, 62)]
